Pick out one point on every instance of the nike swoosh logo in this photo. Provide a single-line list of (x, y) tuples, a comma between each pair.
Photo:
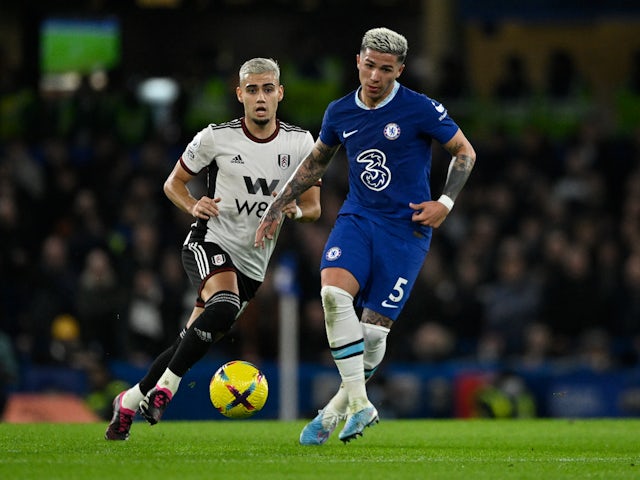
[(348, 134), (439, 108), (388, 305)]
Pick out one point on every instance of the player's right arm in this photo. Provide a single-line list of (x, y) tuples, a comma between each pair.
[(306, 175), (175, 188)]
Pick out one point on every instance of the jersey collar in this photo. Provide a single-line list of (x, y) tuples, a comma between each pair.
[(256, 139), (396, 87)]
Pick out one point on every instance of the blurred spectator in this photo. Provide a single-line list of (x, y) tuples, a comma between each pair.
[(464, 310), (512, 302), (63, 182), (432, 342), (87, 230), (513, 83), (595, 350), (66, 344), (177, 297), (131, 119), (579, 186), (24, 171), (563, 79), (452, 83), (571, 298), (566, 96), (15, 259), (145, 325), (143, 250), (101, 306), (537, 348), (53, 292)]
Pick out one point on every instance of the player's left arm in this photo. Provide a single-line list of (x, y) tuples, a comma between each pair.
[(463, 158), (462, 162)]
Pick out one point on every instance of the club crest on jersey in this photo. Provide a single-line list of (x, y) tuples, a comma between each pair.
[(333, 254), (284, 160), (218, 259), (192, 148), (391, 131)]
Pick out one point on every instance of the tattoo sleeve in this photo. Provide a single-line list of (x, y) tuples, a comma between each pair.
[(306, 175), (459, 171)]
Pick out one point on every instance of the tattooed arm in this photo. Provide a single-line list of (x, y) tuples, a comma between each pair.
[(306, 175), (433, 213), (464, 157)]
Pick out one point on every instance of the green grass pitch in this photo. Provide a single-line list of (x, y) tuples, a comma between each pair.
[(261, 449)]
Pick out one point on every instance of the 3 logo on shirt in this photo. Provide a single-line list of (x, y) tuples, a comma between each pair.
[(376, 175)]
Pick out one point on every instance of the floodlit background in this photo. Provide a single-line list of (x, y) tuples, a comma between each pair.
[(529, 302)]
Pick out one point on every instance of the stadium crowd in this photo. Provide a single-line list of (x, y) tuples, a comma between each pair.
[(539, 261)]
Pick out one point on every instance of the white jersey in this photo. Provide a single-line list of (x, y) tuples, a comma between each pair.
[(243, 171)]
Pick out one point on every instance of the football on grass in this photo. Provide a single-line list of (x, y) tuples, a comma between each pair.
[(238, 389)]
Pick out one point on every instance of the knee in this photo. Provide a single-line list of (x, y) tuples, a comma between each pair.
[(335, 299), (219, 314)]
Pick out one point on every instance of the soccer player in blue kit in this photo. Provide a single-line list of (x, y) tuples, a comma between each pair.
[(382, 234)]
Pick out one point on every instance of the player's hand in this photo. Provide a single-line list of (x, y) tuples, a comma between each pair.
[(291, 210), (205, 208), (430, 214), (268, 226)]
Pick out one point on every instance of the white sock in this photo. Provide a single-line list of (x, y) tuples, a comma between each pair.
[(169, 381), (375, 345), (338, 403), (132, 398), (347, 344)]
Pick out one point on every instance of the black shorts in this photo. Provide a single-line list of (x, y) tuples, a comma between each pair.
[(202, 260)]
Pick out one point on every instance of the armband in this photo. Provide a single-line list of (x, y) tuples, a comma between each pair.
[(446, 201), (298, 213)]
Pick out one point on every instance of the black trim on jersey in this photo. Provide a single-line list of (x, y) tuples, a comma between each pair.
[(187, 169), (230, 124), (288, 127), (240, 123)]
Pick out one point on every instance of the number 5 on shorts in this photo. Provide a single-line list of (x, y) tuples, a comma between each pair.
[(396, 295)]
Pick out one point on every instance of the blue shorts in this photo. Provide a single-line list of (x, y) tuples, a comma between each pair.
[(385, 265)]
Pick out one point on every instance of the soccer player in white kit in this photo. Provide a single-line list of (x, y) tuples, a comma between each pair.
[(245, 161), (383, 231)]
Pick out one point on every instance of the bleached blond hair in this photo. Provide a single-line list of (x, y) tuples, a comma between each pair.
[(259, 65), (384, 40)]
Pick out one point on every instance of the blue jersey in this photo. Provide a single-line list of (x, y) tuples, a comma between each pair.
[(389, 152)]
